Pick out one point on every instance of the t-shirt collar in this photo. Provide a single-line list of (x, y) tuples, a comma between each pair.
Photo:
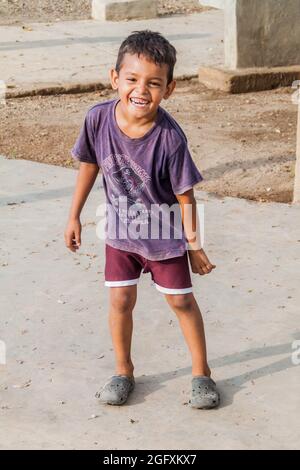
[(125, 137)]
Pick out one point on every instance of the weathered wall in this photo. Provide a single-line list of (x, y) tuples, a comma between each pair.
[(118, 10), (262, 33)]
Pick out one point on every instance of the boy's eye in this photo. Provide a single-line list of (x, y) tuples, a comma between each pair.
[(151, 83)]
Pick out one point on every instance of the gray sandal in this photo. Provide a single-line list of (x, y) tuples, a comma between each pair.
[(116, 390), (204, 393)]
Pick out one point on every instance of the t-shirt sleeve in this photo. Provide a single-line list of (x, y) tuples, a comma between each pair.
[(84, 148), (183, 172)]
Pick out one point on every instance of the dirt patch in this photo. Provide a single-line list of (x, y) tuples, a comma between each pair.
[(244, 145), (14, 11), (17, 11)]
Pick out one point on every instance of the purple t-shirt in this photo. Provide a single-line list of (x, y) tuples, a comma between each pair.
[(141, 178)]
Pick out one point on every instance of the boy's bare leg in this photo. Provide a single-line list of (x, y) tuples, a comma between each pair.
[(190, 319), (122, 302)]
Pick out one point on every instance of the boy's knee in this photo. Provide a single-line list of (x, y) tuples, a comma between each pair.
[(123, 301), (181, 302)]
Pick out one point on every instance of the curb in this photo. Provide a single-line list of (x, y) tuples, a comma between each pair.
[(248, 80), (69, 88)]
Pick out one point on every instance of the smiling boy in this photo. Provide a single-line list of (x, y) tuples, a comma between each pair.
[(145, 161)]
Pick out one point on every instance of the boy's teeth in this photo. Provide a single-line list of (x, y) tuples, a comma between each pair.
[(136, 101)]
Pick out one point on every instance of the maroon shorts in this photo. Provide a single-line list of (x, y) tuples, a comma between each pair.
[(170, 276)]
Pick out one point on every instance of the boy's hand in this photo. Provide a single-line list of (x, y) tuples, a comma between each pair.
[(200, 263), (73, 234)]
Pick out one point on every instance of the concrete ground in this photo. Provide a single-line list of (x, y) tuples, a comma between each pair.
[(84, 51), (54, 323)]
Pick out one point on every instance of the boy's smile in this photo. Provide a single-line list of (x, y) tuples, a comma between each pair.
[(141, 86)]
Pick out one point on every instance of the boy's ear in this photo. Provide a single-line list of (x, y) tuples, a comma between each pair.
[(114, 79), (170, 88)]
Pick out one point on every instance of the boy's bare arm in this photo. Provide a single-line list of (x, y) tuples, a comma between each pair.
[(199, 261), (86, 177)]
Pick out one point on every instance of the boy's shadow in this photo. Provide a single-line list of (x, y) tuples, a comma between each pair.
[(146, 385)]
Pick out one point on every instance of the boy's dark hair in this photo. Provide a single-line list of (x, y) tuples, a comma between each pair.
[(151, 45)]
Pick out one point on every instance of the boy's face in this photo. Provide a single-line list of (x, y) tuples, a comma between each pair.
[(141, 85)]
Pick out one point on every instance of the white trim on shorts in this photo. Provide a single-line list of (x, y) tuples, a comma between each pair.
[(165, 290), (129, 282)]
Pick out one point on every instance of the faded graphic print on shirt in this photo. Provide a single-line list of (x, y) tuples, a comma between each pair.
[(127, 180)]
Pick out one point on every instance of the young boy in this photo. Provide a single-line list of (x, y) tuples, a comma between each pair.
[(145, 162)]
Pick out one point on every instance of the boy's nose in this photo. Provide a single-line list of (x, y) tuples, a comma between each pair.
[(142, 87)]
